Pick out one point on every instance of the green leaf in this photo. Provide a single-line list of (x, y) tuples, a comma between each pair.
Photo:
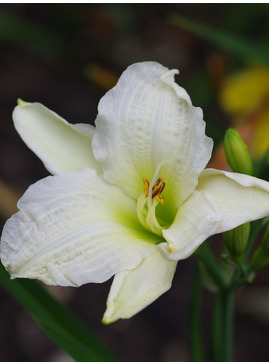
[(231, 42), (56, 320)]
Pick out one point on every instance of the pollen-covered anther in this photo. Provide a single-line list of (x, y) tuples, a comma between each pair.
[(146, 186), (157, 189), (159, 198)]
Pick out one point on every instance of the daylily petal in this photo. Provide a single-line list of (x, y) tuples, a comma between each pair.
[(131, 291), (61, 146), (240, 198), (197, 219), (72, 229), (84, 128), (221, 202), (147, 119)]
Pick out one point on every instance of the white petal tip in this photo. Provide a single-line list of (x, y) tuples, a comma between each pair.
[(13, 276), (107, 320), (170, 74)]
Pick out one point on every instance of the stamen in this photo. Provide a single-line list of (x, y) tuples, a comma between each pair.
[(146, 186), (158, 187), (159, 199), (149, 200)]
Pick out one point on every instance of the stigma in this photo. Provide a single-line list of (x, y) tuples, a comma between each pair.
[(156, 191)]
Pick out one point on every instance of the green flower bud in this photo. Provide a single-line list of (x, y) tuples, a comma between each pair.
[(236, 240), (261, 256), (237, 153)]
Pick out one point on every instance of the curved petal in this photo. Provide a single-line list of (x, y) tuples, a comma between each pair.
[(240, 198), (72, 229), (131, 291), (147, 119), (221, 202), (61, 146), (197, 218)]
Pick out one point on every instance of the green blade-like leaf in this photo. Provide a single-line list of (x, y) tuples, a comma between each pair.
[(233, 43), (56, 320)]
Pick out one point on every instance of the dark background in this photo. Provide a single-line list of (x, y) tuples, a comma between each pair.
[(67, 56)]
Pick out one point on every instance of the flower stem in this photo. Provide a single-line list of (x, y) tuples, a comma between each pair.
[(223, 326), (204, 255), (225, 290), (195, 317), (223, 320), (217, 329), (223, 313), (228, 324)]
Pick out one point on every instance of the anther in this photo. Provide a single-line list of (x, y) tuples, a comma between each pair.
[(157, 189), (146, 186)]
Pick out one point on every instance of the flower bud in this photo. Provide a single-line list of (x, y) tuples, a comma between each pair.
[(236, 240), (237, 153), (261, 256)]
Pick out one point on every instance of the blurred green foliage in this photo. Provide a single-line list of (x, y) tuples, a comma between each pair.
[(56, 320)]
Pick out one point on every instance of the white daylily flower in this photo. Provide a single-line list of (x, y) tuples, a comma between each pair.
[(129, 197)]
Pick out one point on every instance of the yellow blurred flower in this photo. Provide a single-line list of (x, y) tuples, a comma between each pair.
[(245, 91), (245, 97)]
